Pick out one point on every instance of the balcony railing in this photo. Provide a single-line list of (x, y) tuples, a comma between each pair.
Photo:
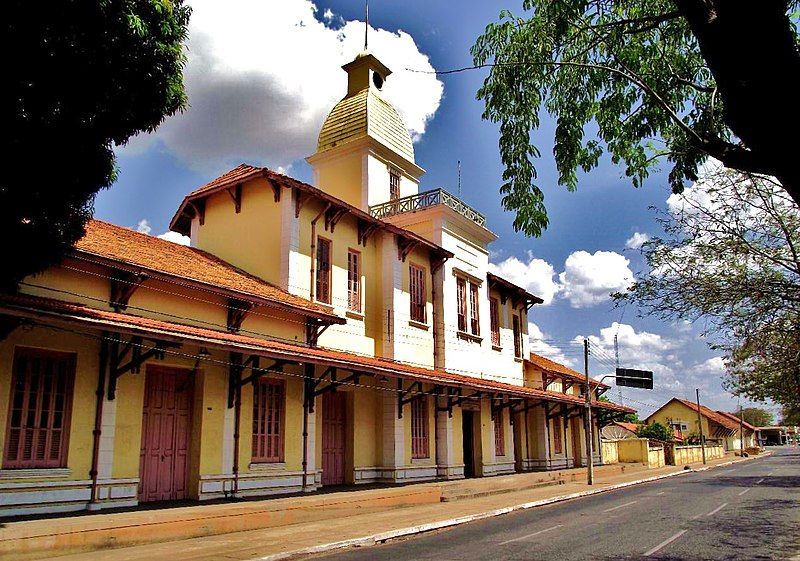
[(424, 200)]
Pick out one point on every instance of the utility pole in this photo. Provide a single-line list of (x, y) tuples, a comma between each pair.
[(700, 425), (588, 417), (741, 429)]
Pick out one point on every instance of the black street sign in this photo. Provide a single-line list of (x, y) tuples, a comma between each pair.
[(631, 378)]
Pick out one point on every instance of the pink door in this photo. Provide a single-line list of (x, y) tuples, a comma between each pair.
[(166, 422), (334, 408)]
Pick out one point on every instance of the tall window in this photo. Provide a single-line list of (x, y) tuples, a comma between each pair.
[(394, 185), (38, 419), (517, 337), (324, 270), (417, 289), (354, 280), (557, 446), (494, 312), (419, 427), (461, 292), (474, 320), (499, 434), (268, 419)]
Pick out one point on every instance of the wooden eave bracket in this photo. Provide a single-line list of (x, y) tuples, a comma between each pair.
[(136, 354), (300, 199), (330, 375), (314, 329), (505, 402), (404, 247), (450, 396), (237, 312), (238, 365), (332, 217), (414, 390), (600, 390), (547, 379), (199, 209), (276, 189), (123, 286), (550, 410), (436, 263), (365, 230), (236, 194), (566, 384)]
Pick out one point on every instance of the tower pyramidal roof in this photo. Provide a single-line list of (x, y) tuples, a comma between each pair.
[(364, 112)]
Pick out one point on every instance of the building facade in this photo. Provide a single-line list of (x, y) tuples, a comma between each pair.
[(718, 427), (343, 333)]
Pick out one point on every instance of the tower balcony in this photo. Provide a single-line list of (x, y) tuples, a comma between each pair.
[(425, 200)]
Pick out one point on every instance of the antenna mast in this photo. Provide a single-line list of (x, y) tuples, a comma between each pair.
[(459, 179), (366, 22)]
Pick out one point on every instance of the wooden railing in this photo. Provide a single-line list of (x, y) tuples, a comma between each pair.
[(424, 200)]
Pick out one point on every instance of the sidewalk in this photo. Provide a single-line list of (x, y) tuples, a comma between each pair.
[(280, 528)]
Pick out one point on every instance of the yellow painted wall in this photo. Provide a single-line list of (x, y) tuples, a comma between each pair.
[(633, 450), (676, 411), (251, 240), (368, 431), (79, 455), (487, 435), (341, 177)]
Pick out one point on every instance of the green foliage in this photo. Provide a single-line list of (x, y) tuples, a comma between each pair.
[(631, 418), (756, 416), (790, 416), (656, 431), (633, 72), (730, 256), (83, 77)]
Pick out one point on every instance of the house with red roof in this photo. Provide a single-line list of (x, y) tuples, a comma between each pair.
[(309, 336), (718, 427)]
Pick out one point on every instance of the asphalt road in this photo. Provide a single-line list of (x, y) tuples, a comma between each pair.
[(747, 511)]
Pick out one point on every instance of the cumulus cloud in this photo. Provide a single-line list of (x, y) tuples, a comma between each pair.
[(637, 240), (589, 278), (143, 227), (175, 237), (534, 275), (261, 77), (541, 346)]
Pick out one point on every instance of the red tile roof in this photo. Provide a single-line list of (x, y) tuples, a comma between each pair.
[(633, 427), (735, 419), (508, 285), (191, 265), (559, 369), (49, 309), (709, 414), (245, 172)]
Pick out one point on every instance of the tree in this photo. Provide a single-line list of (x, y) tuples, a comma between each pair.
[(674, 80), (756, 416), (83, 77), (656, 431), (790, 416), (729, 256), (631, 418)]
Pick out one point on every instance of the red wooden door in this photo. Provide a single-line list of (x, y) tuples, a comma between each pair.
[(334, 410), (166, 426)]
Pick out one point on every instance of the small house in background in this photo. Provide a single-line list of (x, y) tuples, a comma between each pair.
[(718, 428), (619, 430), (747, 438)]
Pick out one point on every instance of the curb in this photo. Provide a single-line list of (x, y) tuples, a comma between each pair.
[(431, 526)]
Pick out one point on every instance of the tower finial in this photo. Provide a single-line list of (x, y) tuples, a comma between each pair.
[(366, 22)]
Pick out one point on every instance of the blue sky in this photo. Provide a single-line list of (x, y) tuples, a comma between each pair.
[(244, 88)]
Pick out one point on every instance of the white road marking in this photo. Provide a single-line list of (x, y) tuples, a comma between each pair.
[(759, 481), (665, 543), (695, 517), (532, 535), (661, 493), (716, 510), (745, 491), (619, 506)]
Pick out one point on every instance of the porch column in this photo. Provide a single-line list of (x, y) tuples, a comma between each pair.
[(393, 435), (539, 449), (446, 467)]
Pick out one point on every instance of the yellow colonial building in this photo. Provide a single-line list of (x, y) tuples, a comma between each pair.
[(337, 334), (718, 427)]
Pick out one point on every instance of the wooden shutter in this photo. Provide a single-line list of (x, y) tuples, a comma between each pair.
[(474, 320), (39, 409), (419, 427), (517, 337), (324, 270), (417, 290), (494, 312), (499, 434), (269, 398), (394, 185), (354, 280), (461, 293), (557, 428)]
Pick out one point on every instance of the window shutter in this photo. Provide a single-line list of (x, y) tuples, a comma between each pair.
[(419, 427), (268, 419), (462, 303), (494, 312)]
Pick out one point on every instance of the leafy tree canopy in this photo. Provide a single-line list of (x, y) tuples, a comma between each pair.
[(83, 77), (673, 80), (729, 256), (656, 431), (756, 416)]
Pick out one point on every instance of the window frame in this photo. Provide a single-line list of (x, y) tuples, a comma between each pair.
[(494, 319), (499, 433), (329, 274), (418, 297), (516, 325), (70, 360), (474, 309), (558, 445), (354, 285), (461, 299), (264, 417), (394, 184), (420, 429)]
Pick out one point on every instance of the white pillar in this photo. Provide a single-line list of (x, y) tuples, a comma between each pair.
[(393, 435), (446, 467)]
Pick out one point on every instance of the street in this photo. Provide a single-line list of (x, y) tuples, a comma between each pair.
[(746, 511)]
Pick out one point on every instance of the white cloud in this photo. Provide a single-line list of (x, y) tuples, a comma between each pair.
[(143, 227), (541, 346), (175, 237), (589, 279), (637, 240), (261, 77), (535, 276)]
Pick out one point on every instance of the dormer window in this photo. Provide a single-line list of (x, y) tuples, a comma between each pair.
[(394, 185)]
